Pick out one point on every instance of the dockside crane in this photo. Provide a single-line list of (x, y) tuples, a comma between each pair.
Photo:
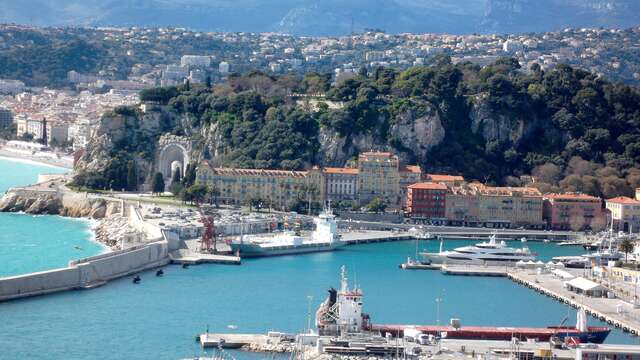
[(208, 234)]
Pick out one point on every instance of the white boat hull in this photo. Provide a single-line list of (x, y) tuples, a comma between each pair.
[(255, 250), (458, 259)]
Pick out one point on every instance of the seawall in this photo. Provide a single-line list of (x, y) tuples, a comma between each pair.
[(86, 273)]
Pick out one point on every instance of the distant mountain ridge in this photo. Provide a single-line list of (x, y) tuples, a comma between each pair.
[(331, 17)]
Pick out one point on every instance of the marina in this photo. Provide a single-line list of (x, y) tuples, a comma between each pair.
[(613, 311), (376, 253), (343, 329)]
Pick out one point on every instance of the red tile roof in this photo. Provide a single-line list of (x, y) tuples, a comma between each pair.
[(571, 196), (623, 200), (253, 172), (349, 171), (443, 177), (428, 186), (412, 169), (378, 153)]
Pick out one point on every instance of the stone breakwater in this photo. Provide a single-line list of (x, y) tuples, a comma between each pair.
[(117, 232)]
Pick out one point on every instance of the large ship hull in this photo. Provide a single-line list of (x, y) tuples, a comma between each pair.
[(438, 258), (594, 334), (255, 250)]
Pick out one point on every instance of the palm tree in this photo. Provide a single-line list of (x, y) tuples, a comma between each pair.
[(626, 246)]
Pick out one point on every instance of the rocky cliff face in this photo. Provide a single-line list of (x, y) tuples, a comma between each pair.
[(418, 133), (495, 126), (52, 203), (44, 204)]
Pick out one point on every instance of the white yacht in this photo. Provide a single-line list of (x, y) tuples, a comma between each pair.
[(324, 238), (484, 253)]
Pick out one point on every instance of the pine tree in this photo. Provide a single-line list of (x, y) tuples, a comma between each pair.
[(157, 185), (132, 176)]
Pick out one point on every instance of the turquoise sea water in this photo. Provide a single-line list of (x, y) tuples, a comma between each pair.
[(35, 243), (159, 318)]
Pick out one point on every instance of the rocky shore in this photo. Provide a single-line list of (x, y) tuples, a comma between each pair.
[(51, 198), (53, 203), (116, 233)]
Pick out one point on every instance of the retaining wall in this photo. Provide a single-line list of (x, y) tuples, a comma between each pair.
[(87, 272)]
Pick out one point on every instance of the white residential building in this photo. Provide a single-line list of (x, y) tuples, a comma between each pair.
[(195, 61), (223, 68), (11, 86)]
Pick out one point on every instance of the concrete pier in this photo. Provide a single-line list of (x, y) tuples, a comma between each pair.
[(365, 346), (474, 270), (612, 311), (194, 258), (363, 237), (270, 342)]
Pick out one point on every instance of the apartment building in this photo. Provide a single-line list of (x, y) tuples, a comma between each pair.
[(239, 186), (427, 200), (340, 184), (409, 175), (57, 133), (573, 211), (625, 213), (477, 204), (379, 177), (6, 117)]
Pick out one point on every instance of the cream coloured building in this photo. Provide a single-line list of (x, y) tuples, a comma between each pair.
[(278, 187), (480, 204), (340, 184), (379, 177), (625, 213)]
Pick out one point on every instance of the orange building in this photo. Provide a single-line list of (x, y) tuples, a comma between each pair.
[(427, 200), (573, 211)]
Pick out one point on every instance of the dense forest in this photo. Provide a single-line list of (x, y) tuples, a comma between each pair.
[(568, 128)]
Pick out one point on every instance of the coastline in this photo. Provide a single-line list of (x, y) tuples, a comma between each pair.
[(35, 160), (92, 226)]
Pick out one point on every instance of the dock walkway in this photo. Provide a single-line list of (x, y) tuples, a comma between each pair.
[(362, 237), (231, 341), (614, 311), (471, 270)]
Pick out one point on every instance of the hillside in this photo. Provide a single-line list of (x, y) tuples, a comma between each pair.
[(571, 130), (331, 17)]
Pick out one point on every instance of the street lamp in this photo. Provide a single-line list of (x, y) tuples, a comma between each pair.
[(438, 301), (309, 299)]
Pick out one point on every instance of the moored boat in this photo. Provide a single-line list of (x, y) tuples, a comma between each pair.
[(342, 314), (484, 253), (325, 237)]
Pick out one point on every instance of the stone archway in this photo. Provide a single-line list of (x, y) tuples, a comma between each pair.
[(173, 153)]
